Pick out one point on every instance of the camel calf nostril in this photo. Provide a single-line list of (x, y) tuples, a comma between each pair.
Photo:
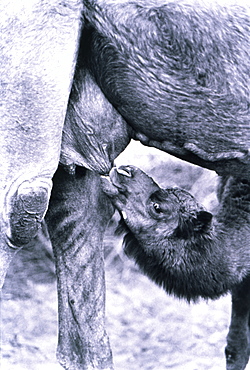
[(125, 171)]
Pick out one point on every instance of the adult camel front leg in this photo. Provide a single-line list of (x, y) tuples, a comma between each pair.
[(77, 217), (38, 45)]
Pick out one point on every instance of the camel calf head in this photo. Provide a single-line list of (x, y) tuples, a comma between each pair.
[(173, 239)]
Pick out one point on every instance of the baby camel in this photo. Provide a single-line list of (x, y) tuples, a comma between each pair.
[(187, 250)]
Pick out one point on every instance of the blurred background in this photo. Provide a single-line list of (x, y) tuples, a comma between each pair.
[(148, 329)]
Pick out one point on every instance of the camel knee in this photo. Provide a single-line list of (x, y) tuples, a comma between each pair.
[(26, 206)]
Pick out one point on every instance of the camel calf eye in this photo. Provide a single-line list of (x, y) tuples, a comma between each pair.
[(157, 207)]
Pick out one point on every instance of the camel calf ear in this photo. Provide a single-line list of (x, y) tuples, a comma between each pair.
[(202, 221)]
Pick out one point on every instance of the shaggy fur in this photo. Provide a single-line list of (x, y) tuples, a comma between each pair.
[(176, 242)]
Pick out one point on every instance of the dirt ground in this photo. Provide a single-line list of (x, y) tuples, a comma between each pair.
[(148, 329)]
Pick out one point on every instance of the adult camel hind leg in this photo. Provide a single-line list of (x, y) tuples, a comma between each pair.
[(77, 217), (237, 349), (37, 57)]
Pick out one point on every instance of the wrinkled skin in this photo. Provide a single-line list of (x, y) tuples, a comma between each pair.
[(186, 250)]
